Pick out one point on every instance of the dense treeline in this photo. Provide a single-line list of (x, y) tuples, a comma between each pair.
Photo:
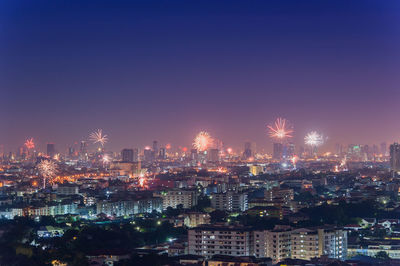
[(18, 244)]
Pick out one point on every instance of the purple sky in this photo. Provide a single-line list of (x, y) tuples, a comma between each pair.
[(164, 70)]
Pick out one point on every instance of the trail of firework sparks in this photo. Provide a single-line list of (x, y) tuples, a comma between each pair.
[(280, 130), (98, 137)]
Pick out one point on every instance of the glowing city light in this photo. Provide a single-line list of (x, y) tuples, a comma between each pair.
[(142, 181), (294, 160)]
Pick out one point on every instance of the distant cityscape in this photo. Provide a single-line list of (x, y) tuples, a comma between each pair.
[(199, 133), (212, 203)]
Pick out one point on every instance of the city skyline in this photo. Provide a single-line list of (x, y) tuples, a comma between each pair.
[(143, 71), (175, 132), (322, 147)]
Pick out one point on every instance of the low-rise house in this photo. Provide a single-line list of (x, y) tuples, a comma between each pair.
[(50, 231), (367, 222), (388, 223), (353, 227)]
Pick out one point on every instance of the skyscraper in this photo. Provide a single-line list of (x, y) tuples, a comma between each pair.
[(194, 156), (83, 147), (383, 148), (162, 154), (395, 157), (136, 155), (247, 150), (277, 151), (127, 155), (148, 155), (71, 152), (51, 150), (155, 148), (213, 155), (83, 153), (289, 150)]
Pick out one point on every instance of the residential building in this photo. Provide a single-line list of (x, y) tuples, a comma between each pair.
[(173, 198), (210, 240), (194, 219), (230, 201)]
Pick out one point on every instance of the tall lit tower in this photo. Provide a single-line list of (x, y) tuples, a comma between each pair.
[(395, 157), (247, 153), (51, 150), (155, 148), (127, 155)]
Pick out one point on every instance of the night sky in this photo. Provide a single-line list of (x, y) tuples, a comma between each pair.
[(164, 70)]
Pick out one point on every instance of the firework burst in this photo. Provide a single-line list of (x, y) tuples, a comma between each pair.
[(48, 170), (98, 137), (142, 182), (314, 139), (202, 141), (281, 129), (106, 159), (29, 144)]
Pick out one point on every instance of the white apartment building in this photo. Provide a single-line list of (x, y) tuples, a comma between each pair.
[(310, 243), (278, 244), (274, 244), (305, 244), (209, 240), (173, 198), (230, 201)]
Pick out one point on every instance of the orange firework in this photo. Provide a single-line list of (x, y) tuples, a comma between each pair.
[(202, 141), (142, 181), (29, 144), (280, 130)]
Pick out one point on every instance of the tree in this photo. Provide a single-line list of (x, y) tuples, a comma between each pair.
[(382, 255), (218, 216)]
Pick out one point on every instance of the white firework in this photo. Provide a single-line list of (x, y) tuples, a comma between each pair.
[(106, 159), (48, 170), (314, 139), (98, 137)]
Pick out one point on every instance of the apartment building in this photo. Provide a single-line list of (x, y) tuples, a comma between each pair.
[(230, 201), (274, 244), (175, 197), (310, 243), (278, 244), (209, 240), (276, 193), (120, 208), (193, 219)]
